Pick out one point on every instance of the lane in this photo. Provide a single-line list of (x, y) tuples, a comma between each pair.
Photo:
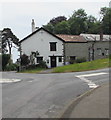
[(91, 83), (43, 95)]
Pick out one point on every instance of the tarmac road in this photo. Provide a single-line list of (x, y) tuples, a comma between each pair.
[(45, 95)]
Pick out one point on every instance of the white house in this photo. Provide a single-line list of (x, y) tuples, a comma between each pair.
[(46, 46)]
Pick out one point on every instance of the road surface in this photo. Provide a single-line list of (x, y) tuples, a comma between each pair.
[(45, 95)]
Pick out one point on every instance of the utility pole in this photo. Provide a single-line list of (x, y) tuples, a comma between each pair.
[(20, 66), (91, 49)]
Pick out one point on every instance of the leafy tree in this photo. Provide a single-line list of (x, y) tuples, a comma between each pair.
[(62, 28), (93, 25), (53, 22), (106, 20), (78, 22), (24, 60), (49, 27), (80, 13), (57, 20), (5, 60), (103, 12), (8, 38)]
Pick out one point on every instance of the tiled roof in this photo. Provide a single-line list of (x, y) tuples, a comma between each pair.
[(71, 38)]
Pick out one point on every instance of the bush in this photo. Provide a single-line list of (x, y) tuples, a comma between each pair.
[(80, 60), (72, 61), (24, 60), (11, 67), (30, 67), (5, 60), (42, 64)]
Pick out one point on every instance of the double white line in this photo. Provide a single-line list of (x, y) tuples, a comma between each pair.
[(90, 83)]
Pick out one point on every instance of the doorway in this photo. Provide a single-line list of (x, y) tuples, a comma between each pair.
[(53, 61)]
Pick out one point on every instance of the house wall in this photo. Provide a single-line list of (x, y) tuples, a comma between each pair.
[(79, 50), (40, 42), (103, 45)]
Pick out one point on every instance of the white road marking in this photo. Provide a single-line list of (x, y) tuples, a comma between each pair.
[(90, 83), (9, 80)]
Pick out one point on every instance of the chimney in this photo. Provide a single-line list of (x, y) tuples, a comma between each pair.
[(33, 25)]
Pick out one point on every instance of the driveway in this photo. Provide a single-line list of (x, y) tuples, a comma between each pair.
[(45, 95)]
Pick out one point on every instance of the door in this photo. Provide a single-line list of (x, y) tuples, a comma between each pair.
[(53, 61)]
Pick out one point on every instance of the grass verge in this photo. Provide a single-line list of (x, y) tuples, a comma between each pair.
[(78, 67), (37, 70)]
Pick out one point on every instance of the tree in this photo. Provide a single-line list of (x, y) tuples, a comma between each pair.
[(8, 38), (62, 28), (49, 27), (53, 22), (57, 20), (106, 20), (92, 25), (77, 22), (24, 60)]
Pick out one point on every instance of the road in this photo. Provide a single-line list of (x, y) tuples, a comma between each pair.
[(45, 95)]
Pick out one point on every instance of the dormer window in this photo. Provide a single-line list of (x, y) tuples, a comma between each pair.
[(52, 46)]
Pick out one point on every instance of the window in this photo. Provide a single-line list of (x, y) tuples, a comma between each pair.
[(106, 51), (53, 46), (99, 51), (72, 58), (39, 59), (60, 59)]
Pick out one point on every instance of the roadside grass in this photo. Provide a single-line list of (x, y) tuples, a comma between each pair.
[(85, 66), (37, 70)]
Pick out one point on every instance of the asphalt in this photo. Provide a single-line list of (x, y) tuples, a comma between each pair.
[(46, 95), (92, 104)]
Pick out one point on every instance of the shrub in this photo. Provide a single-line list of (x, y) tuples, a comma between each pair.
[(42, 64), (80, 60), (24, 60), (5, 60), (30, 67), (71, 61), (11, 67)]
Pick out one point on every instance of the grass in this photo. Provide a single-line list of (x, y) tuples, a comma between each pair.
[(78, 67), (37, 70)]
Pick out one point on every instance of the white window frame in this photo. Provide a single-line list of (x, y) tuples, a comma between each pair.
[(99, 51), (107, 51)]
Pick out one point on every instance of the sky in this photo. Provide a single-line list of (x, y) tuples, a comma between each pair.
[(17, 14)]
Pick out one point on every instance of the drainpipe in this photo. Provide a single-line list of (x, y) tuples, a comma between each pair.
[(64, 54), (20, 67)]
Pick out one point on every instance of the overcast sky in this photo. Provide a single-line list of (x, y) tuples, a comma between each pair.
[(17, 14)]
